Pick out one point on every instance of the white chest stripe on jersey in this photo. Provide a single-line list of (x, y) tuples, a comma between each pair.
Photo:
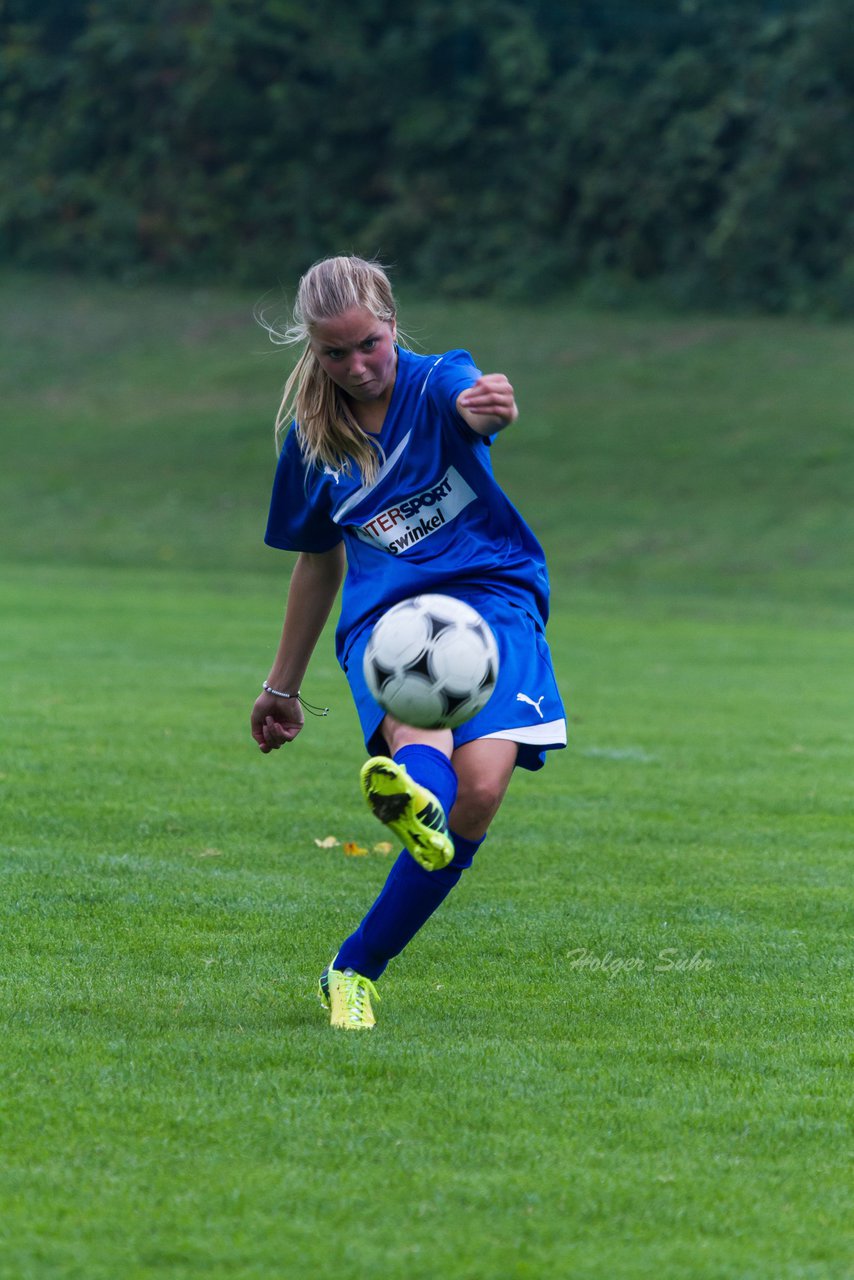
[(433, 366), (366, 488)]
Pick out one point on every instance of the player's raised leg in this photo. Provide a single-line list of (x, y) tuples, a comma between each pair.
[(412, 790)]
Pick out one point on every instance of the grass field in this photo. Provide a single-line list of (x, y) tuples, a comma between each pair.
[(623, 1048)]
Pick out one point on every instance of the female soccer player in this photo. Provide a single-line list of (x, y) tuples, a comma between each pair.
[(381, 435)]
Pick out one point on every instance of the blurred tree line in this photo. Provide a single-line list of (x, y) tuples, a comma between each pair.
[(703, 148)]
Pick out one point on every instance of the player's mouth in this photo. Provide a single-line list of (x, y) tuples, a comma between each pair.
[(363, 388)]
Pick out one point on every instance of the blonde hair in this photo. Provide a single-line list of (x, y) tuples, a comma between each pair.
[(326, 428)]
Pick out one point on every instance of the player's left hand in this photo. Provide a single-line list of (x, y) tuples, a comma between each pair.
[(491, 397)]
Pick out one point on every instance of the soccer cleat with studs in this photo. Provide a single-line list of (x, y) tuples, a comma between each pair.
[(347, 996), (409, 810)]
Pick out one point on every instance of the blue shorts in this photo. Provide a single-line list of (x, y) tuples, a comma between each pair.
[(525, 706)]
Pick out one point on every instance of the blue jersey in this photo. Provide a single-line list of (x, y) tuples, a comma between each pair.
[(434, 519)]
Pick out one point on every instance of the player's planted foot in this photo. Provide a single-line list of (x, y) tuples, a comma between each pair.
[(411, 811), (347, 996)]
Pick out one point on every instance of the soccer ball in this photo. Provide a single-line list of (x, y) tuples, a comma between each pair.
[(431, 662)]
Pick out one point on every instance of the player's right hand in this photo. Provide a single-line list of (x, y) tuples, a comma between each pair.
[(275, 721)]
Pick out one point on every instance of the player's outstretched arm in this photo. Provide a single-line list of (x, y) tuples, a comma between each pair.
[(489, 404), (311, 595)]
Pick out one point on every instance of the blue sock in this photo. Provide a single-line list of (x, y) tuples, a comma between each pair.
[(406, 901), (432, 769), (410, 895)]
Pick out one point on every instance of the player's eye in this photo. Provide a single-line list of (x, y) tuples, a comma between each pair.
[(369, 344), (334, 353)]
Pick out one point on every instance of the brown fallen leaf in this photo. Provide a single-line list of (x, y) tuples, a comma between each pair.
[(353, 850)]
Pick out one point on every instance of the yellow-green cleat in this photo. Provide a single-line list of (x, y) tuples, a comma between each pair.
[(347, 996), (411, 811)]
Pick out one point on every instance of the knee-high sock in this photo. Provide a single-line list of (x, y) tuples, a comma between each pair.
[(432, 770), (410, 895)]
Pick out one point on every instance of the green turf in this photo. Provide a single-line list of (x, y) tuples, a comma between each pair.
[(623, 1047)]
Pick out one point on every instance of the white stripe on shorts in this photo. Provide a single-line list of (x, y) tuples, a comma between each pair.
[(536, 735)]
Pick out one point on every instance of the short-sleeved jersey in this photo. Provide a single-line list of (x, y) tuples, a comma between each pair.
[(434, 519)]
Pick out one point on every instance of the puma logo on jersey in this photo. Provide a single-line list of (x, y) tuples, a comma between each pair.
[(523, 697)]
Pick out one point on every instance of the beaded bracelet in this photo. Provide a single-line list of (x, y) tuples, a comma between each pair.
[(278, 693)]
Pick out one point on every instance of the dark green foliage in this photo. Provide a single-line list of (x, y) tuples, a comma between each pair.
[(701, 149)]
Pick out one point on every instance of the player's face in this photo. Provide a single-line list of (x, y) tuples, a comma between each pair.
[(358, 353)]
